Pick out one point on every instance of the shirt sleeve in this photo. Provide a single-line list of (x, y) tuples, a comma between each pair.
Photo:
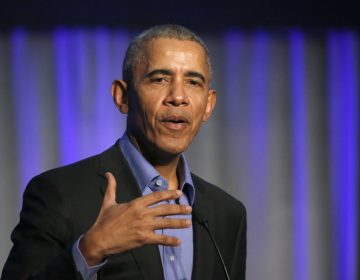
[(87, 272)]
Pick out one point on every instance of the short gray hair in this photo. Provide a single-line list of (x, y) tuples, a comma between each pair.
[(135, 51)]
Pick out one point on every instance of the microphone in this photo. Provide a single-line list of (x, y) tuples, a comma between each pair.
[(204, 222)]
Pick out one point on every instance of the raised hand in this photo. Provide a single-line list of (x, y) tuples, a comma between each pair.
[(122, 227)]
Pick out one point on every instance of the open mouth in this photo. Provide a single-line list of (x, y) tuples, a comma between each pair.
[(175, 119), (175, 122)]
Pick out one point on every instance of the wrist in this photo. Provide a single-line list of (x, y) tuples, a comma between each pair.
[(91, 250)]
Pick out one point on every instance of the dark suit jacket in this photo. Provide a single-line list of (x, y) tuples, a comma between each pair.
[(61, 204)]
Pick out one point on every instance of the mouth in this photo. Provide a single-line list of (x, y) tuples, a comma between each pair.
[(175, 119), (175, 122)]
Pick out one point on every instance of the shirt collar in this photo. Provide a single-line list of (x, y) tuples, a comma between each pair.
[(145, 173)]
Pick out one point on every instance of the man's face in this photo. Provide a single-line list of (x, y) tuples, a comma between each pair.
[(171, 96)]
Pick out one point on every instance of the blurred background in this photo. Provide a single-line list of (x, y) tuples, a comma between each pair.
[(284, 138)]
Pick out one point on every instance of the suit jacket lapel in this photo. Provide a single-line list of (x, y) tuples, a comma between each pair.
[(204, 251), (147, 257), (112, 160)]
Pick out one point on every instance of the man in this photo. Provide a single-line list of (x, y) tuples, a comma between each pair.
[(135, 211)]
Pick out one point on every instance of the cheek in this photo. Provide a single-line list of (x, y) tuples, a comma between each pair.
[(199, 110), (140, 107), (147, 115)]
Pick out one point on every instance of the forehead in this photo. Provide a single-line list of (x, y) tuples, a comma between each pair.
[(168, 53)]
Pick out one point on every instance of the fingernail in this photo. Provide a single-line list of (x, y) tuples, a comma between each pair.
[(188, 222), (178, 192), (188, 208)]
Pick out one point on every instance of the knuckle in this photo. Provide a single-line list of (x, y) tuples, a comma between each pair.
[(137, 211), (142, 237), (165, 239), (142, 218), (135, 206), (185, 223), (167, 209), (158, 195), (138, 215)]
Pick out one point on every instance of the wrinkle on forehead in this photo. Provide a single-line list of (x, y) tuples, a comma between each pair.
[(175, 54)]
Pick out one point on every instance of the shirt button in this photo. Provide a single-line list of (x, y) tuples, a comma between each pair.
[(159, 182), (172, 258)]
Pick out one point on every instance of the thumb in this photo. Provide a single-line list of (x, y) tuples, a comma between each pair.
[(110, 194)]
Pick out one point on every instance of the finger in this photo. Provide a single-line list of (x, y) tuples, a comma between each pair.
[(157, 196), (171, 223), (169, 209), (166, 240), (110, 193)]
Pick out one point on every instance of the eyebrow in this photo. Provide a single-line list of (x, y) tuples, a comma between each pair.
[(159, 72), (195, 75), (169, 73)]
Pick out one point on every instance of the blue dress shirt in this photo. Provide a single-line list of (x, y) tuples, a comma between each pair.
[(177, 262)]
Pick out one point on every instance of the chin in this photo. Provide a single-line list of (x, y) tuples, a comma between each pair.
[(173, 146)]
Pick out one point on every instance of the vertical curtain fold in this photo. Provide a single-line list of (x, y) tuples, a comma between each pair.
[(343, 124)]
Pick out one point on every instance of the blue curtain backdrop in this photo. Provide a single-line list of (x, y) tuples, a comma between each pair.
[(284, 138)]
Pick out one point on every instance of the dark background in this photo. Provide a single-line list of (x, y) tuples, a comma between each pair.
[(199, 15)]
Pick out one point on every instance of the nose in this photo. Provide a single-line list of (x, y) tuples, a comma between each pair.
[(177, 95)]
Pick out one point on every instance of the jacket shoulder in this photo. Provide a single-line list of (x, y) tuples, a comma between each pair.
[(89, 166)]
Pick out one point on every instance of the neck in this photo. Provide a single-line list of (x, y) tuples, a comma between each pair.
[(168, 171), (165, 164)]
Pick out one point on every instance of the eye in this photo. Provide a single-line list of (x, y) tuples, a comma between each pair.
[(194, 83), (159, 80)]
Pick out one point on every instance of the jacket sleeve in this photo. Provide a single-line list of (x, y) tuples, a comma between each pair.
[(43, 238)]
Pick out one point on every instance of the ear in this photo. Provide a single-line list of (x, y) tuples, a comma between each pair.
[(119, 94), (210, 105)]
